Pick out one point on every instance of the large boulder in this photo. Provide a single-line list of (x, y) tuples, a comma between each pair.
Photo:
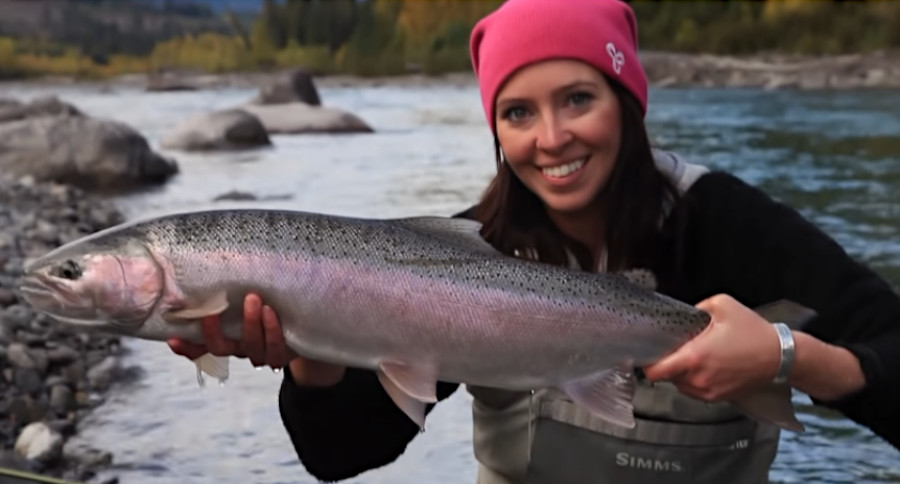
[(298, 117), (167, 82), (221, 130), (93, 154), (14, 110), (9, 109), (291, 105), (294, 86)]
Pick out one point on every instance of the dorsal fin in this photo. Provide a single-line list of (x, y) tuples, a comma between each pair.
[(460, 232), (640, 277)]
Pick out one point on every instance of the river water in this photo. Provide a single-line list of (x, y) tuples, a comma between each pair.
[(835, 156)]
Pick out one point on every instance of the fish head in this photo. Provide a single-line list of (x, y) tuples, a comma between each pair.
[(103, 284)]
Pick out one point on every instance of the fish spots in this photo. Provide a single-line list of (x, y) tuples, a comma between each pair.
[(402, 252)]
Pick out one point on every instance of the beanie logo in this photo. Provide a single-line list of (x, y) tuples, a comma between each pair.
[(618, 58)]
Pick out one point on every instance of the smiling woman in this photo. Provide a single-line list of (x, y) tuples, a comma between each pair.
[(564, 94), (561, 139), (563, 127)]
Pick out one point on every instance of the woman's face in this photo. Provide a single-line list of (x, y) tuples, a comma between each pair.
[(559, 126)]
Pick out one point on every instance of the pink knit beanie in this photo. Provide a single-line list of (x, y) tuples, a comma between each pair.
[(602, 33)]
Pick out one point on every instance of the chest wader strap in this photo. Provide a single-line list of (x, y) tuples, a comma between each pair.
[(736, 433)]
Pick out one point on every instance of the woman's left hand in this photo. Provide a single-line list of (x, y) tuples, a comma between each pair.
[(739, 351)]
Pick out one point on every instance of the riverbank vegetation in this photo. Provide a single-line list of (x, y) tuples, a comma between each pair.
[(387, 37)]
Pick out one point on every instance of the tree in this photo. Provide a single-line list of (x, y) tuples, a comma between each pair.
[(270, 22)]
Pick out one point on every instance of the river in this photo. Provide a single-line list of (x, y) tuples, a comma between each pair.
[(835, 156)]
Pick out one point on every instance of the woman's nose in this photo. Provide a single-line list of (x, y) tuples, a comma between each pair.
[(553, 135)]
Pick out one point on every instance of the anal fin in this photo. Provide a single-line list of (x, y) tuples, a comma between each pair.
[(607, 394)]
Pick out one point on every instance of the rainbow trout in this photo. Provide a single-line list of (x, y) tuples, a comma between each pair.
[(416, 299)]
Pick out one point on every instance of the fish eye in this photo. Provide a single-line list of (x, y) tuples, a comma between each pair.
[(68, 270)]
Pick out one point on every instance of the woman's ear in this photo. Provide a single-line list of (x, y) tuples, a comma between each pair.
[(498, 151)]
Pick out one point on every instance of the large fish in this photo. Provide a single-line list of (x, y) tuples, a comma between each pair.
[(417, 299)]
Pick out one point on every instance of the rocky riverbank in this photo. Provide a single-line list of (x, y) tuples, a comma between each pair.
[(51, 377), (880, 69)]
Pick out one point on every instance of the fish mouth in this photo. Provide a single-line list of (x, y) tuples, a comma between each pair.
[(34, 288), (54, 298), (50, 295)]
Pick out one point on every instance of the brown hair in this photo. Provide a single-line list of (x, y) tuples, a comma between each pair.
[(516, 223)]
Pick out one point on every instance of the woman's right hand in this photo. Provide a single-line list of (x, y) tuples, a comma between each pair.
[(263, 343)]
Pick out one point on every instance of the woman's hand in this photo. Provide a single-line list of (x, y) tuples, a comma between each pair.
[(262, 342), (738, 352)]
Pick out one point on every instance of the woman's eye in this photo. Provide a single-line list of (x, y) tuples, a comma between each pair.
[(516, 113), (580, 98)]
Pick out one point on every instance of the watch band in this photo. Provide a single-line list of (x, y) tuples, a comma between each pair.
[(786, 338)]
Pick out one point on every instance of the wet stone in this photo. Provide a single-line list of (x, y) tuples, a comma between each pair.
[(44, 378), (62, 399), (28, 380), (7, 297)]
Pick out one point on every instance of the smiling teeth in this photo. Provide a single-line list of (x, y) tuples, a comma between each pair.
[(564, 170)]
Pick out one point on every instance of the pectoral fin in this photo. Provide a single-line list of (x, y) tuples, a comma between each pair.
[(607, 394), (216, 303), (414, 409)]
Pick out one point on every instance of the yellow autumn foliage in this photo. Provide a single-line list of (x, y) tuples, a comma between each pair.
[(387, 37), (18, 62)]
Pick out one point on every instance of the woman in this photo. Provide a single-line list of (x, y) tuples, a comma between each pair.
[(565, 95)]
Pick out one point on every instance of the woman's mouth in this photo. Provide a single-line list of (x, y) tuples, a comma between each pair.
[(564, 171)]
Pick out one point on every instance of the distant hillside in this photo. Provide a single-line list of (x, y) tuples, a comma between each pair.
[(102, 27)]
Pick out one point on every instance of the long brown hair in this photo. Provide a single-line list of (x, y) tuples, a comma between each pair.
[(515, 221)]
